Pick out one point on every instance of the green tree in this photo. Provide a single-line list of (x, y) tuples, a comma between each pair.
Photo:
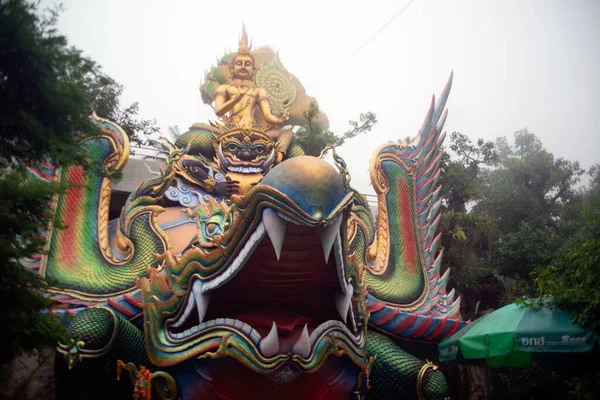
[(530, 185), (461, 170), (467, 236), (44, 100), (572, 279), (592, 193), (105, 94), (173, 133), (531, 247), (313, 138), (535, 199)]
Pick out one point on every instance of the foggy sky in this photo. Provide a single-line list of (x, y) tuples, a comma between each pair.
[(517, 63)]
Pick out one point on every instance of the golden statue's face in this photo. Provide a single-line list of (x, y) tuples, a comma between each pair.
[(243, 67)]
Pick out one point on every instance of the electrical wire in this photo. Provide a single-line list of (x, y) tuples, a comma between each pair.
[(363, 45)]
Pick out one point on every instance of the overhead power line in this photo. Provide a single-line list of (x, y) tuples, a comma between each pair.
[(364, 44)]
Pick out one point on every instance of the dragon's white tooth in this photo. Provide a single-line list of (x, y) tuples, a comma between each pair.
[(340, 264), (342, 303), (220, 321), (202, 300), (275, 227), (302, 346), (269, 346), (328, 235)]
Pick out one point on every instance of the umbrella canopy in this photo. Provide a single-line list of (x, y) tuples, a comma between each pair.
[(508, 336)]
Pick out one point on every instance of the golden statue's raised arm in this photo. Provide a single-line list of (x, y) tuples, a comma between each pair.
[(222, 105)]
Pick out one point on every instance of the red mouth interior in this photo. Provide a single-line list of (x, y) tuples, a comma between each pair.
[(298, 289)]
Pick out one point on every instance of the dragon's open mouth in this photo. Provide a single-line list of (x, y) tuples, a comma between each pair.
[(284, 291)]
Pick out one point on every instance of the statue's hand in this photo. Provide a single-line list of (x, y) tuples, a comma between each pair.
[(285, 116), (226, 188)]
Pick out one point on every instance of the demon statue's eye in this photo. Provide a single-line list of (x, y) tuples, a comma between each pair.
[(259, 149), (212, 229), (232, 147)]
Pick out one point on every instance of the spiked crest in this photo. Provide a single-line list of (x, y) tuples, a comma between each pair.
[(244, 47)]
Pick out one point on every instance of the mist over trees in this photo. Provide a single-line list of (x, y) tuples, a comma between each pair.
[(519, 225), (509, 207)]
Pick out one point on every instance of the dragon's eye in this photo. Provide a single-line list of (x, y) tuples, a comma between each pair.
[(212, 229)]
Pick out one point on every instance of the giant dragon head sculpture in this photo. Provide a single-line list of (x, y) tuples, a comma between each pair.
[(277, 289)]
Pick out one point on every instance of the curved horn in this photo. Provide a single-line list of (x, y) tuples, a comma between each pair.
[(267, 164), (222, 160)]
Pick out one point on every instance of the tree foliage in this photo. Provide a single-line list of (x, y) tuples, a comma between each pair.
[(512, 229), (530, 184), (467, 236), (509, 206), (461, 179), (572, 279), (44, 100), (47, 91), (40, 78), (522, 252), (313, 138), (106, 93)]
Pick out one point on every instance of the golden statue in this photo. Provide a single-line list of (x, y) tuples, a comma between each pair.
[(237, 101), (249, 141)]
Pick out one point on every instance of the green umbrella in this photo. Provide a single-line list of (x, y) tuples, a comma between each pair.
[(508, 336)]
